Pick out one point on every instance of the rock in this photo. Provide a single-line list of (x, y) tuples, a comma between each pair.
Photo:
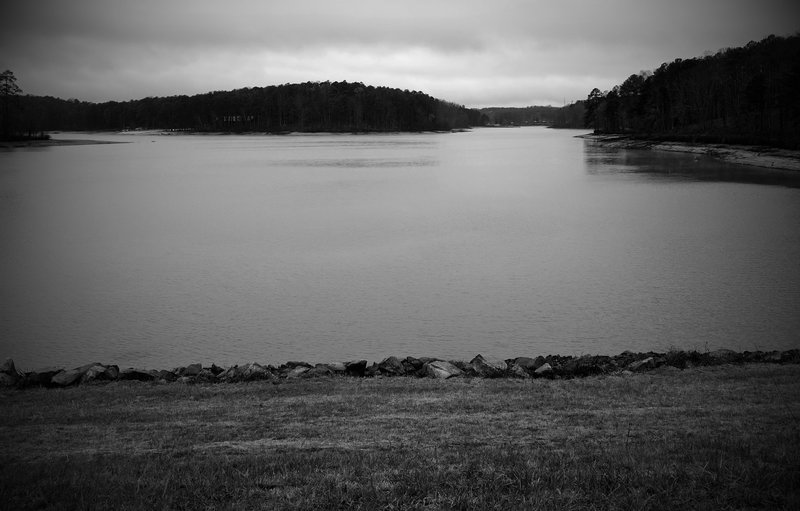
[(9, 376), (67, 377), (529, 364), (7, 380), (254, 371), (543, 370), (723, 356), (95, 372), (165, 375), (488, 367), (790, 357), (317, 371), (392, 366), (356, 367), (518, 371), (74, 376), (642, 365), (42, 376), (190, 370), (337, 367), (441, 370), (297, 372), (230, 374), (142, 374), (205, 376), (10, 369), (247, 372), (371, 370), (294, 363), (413, 366), (587, 365)]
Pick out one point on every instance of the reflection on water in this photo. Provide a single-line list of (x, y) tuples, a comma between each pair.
[(172, 249), (602, 160)]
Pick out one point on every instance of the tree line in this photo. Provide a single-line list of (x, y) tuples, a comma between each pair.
[(745, 95), (304, 107), (569, 116)]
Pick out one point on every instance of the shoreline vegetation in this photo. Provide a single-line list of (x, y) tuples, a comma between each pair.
[(548, 367), (743, 96), (724, 436)]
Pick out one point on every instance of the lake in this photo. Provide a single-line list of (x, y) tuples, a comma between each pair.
[(168, 250)]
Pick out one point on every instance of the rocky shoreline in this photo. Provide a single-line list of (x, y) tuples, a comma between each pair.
[(764, 157), (551, 366)]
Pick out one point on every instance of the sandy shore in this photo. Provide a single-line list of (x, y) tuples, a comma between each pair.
[(757, 156)]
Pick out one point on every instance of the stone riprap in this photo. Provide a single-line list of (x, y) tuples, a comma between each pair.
[(551, 366)]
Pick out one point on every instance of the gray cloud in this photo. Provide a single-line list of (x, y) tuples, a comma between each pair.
[(472, 52)]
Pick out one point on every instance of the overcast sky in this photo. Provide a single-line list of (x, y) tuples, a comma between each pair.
[(476, 53)]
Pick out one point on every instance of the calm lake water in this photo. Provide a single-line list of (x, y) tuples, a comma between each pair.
[(169, 250)]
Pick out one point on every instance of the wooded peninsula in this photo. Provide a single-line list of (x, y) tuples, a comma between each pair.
[(745, 95)]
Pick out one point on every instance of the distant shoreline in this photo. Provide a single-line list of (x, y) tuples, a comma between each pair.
[(756, 156), (18, 144)]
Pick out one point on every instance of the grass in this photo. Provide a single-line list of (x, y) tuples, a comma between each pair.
[(707, 438)]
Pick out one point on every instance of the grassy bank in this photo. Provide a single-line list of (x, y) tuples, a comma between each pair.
[(723, 437)]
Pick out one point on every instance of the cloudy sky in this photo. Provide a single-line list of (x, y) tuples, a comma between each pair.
[(473, 52)]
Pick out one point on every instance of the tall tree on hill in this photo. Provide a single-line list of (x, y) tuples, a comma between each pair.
[(9, 92)]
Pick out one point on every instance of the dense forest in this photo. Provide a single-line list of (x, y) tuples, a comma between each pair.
[(747, 95), (570, 116), (306, 107)]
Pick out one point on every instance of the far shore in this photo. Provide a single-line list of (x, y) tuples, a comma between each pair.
[(756, 156), (15, 144)]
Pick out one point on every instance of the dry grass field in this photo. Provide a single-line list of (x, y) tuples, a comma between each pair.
[(724, 437)]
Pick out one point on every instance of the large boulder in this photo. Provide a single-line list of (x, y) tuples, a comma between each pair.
[(297, 372), (543, 370), (8, 367), (254, 371), (317, 371), (518, 371), (414, 366), (392, 366), (74, 376), (441, 370), (99, 372), (642, 365), (140, 374), (164, 375), (66, 377), (190, 370), (42, 376), (488, 367), (356, 367), (528, 363), (587, 365), (247, 372), (7, 380), (337, 367), (9, 375)]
